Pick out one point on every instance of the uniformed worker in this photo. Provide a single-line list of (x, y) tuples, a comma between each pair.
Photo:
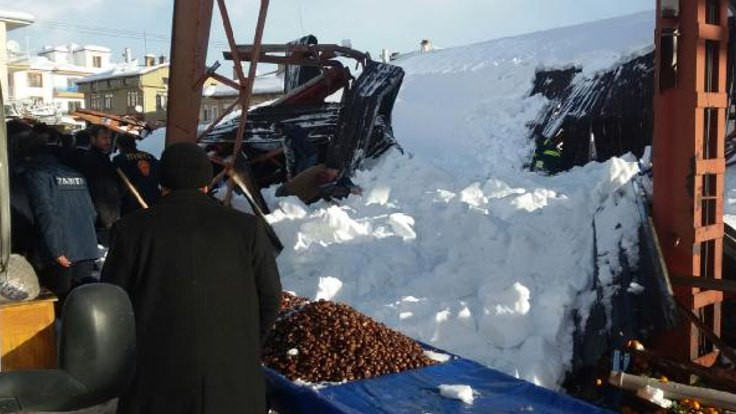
[(548, 157), (64, 218), (141, 168)]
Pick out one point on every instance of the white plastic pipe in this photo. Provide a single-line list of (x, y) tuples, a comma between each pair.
[(675, 391)]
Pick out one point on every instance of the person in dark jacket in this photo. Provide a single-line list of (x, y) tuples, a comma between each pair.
[(299, 152), (205, 290), (141, 168), (103, 181), (22, 239), (64, 218)]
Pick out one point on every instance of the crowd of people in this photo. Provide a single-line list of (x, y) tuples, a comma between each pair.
[(66, 194), (202, 278)]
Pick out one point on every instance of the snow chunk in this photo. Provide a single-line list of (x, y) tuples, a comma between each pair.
[(402, 226), (378, 195), (463, 393), (636, 288), (328, 288), (437, 356)]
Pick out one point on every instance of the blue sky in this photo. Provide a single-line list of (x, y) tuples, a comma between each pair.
[(397, 25)]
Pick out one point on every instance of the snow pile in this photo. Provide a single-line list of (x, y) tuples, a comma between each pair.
[(465, 107), (456, 244), (492, 270)]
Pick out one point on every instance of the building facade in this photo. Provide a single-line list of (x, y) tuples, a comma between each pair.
[(129, 89), (47, 81), (217, 96), (9, 20)]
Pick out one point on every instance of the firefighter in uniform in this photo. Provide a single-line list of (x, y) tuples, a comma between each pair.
[(141, 168)]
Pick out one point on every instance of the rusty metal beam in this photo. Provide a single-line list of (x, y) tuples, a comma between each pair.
[(324, 52), (247, 93), (291, 60), (117, 123), (214, 123), (721, 285), (231, 41), (229, 82), (714, 338), (189, 40)]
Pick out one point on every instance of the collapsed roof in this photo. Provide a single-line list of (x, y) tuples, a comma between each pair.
[(346, 132)]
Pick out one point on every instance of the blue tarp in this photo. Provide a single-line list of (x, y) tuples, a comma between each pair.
[(417, 391)]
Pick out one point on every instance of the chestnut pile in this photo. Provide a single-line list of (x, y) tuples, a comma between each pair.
[(330, 342), (290, 302)]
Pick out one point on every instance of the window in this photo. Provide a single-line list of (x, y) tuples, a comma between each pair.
[(72, 106), (97, 61), (108, 101), (210, 113), (133, 99), (161, 102), (35, 80), (95, 102), (109, 83)]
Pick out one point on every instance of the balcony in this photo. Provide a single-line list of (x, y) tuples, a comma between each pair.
[(66, 89)]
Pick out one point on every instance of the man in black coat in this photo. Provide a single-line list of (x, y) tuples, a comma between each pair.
[(141, 168), (205, 290), (63, 217), (103, 181)]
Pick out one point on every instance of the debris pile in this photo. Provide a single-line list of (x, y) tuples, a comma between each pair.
[(330, 342)]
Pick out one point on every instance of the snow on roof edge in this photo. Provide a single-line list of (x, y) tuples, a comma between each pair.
[(19, 17), (122, 71)]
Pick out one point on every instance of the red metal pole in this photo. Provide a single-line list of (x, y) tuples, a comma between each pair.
[(246, 94), (189, 42), (688, 159)]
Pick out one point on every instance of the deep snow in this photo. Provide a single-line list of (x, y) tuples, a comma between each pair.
[(455, 243)]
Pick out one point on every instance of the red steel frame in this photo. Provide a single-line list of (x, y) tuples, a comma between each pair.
[(189, 44), (689, 165), (190, 37)]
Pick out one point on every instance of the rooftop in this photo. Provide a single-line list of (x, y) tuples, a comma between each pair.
[(73, 47), (123, 70), (15, 20), (45, 64), (271, 83)]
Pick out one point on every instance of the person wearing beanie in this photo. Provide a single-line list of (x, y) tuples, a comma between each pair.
[(205, 290)]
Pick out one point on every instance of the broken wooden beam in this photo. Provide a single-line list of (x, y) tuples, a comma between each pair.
[(720, 378)]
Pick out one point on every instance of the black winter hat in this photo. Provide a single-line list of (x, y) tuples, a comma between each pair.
[(185, 166)]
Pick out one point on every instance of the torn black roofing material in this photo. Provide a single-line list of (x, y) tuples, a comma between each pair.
[(599, 117)]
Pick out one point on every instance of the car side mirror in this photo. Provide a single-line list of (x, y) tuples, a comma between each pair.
[(96, 356)]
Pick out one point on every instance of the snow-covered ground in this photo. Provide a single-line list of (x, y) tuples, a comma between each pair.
[(455, 243)]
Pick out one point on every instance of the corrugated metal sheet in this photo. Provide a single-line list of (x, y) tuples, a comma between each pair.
[(613, 109)]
